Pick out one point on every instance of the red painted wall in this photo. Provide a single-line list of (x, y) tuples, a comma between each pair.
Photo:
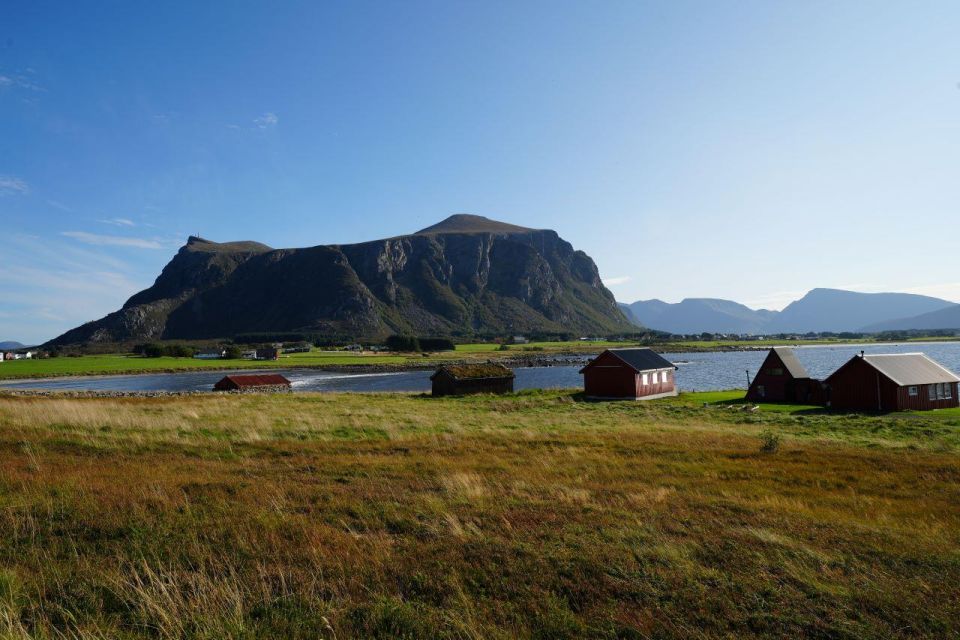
[(774, 386), (856, 386), (608, 377)]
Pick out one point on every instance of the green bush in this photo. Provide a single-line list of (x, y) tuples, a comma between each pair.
[(769, 442)]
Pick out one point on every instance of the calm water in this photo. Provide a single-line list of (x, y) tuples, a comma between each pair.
[(697, 372)]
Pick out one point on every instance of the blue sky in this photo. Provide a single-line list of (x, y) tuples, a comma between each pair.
[(747, 150)]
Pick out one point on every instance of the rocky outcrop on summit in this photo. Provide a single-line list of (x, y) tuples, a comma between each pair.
[(465, 275)]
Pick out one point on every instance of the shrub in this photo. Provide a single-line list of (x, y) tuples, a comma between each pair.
[(769, 442)]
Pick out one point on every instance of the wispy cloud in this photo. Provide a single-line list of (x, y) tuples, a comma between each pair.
[(59, 205), (113, 241), (50, 285), (11, 185), (266, 121), (19, 81), (119, 222), (612, 282)]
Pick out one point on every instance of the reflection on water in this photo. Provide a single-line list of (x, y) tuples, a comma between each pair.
[(696, 372)]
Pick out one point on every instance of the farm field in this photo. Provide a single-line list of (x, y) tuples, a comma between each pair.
[(533, 515)]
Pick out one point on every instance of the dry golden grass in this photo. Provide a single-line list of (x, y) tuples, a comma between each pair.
[(531, 516)]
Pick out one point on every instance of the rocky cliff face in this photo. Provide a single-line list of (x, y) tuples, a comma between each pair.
[(464, 275)]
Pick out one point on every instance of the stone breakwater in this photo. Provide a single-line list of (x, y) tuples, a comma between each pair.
[(76, 393)]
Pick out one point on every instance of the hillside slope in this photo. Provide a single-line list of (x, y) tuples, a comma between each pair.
[(698, 315), (838, 310), (465, 275), (948, 318)]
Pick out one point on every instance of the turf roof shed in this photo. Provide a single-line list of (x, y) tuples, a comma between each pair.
[(472, 378)]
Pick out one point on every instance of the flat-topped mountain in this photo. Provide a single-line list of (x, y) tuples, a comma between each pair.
[(464, 275)]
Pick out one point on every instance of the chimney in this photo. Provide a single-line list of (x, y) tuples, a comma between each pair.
[(861, 353)]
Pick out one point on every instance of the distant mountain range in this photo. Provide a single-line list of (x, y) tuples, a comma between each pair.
[(465, 275), (10, 344), (819, 310), (948, 318)]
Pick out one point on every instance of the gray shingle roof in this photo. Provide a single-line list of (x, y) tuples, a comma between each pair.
[(642, 359), (791, 362), (910, 368)]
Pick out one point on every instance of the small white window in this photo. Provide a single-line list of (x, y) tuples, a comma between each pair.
[(912, 391), (644, 379), (654, 377), (940, 391), (663, 377)]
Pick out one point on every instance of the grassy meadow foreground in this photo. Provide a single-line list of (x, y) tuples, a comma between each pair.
[(534, 515)]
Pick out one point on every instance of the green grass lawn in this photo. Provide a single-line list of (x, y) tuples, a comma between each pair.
[(124, 363)]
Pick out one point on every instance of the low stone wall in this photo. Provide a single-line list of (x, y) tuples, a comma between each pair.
[(71, 393), (267, 388)]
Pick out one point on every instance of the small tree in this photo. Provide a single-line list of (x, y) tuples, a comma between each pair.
[(403, 343), (436, 344)]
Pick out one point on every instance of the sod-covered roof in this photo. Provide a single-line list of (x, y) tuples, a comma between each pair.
[(474, 371)]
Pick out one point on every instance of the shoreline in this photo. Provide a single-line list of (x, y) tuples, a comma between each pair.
[(516, 359), (557, 360)]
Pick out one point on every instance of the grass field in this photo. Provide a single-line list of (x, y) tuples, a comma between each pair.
[(125, 363), (533, 515)]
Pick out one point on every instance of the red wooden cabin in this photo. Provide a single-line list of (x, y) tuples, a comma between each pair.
[(891, 382), (782, 378), (629, 374)]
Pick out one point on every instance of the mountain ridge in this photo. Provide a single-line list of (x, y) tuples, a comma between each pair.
[(819, 310), (946, 318), (464, 275)]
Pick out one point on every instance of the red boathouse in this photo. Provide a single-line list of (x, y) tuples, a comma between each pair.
[(253, 382), (891, 382), (629, 374), (782, 378)]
